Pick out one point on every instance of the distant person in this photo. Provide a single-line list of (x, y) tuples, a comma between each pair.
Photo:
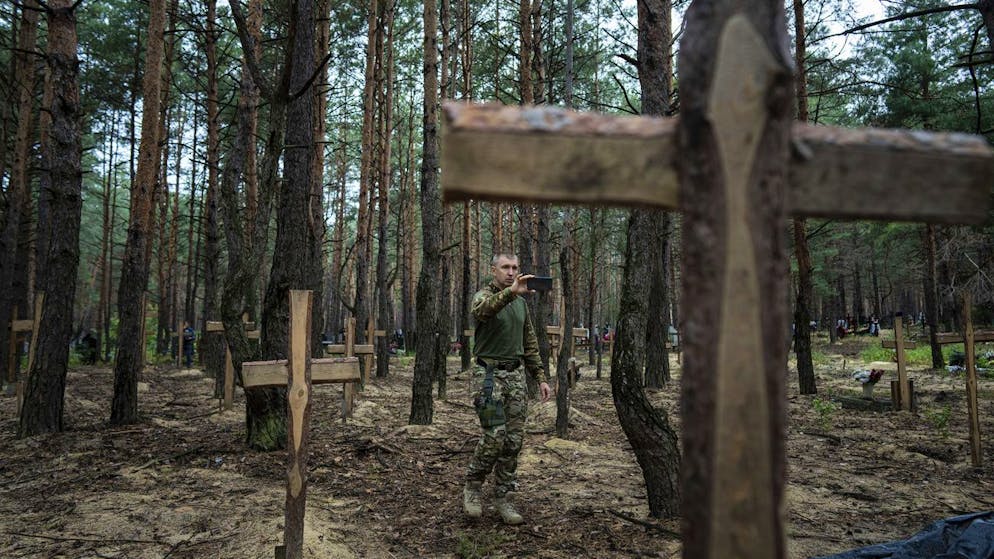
[(89, 348), (504, 341), (874, 326), (189, 338)]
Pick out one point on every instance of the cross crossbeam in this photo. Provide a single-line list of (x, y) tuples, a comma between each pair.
[(549, 154)]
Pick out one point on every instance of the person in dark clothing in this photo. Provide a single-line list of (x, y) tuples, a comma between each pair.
[(189, 338)]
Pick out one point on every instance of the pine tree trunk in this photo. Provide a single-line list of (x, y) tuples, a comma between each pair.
[(316, 222), (385, 312), (931, 303), (422, 406), (366, 173), (134, 268), (802, 305), (648, 431), (654, 38), (45, 391), (467, 288), (564, 361), (594, 339), (213, 347), (294, 238), (18, 195)]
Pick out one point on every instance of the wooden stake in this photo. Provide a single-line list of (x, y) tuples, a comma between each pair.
[(976, 451), (348, 392), (229, 379), (902, 375), (35, 323), (368, 359), (12, 355), (179, 344), (299, 409)]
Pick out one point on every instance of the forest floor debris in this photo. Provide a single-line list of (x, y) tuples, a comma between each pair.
[(181, 483)]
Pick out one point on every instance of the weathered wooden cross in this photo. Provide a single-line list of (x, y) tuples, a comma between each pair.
[(898, 344), (298, 373), (736, 167), (352, 349), (968, 338), (215, 327)]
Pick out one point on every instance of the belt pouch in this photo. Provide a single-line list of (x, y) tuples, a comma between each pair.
[(489, 409)]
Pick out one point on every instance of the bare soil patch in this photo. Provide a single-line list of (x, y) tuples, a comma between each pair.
[(181, 483)]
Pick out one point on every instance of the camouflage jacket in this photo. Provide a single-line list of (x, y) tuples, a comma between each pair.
[(504, 330)]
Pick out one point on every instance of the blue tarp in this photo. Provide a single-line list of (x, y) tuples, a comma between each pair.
[(969, 536)]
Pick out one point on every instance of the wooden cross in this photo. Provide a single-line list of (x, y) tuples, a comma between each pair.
[(555, 334), (724, 164), (252, 333), (898, 344), (968, 338), (351, 349), (298, 373)]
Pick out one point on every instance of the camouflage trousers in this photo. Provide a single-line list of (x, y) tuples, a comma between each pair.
[(499, 446)]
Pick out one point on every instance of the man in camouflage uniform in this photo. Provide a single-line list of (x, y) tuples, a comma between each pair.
[(504, 338)]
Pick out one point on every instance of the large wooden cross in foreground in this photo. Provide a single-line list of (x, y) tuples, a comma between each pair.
[(736, 166), (298, 373)]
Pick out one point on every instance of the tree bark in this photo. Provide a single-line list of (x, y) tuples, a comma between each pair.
[(802, 304), (564, 361), (648, 431), (385, 312), (366, 174), (422, 406), (45, 391), (654, 40), (134, 269), (212, 347), (294, 237), (316, 222), (18, 194), (931, 303)]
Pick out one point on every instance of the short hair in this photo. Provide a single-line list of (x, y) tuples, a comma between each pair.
[(497, 256)]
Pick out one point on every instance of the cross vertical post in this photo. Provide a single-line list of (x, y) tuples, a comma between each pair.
[(976, 452), (348, 391), (12, 351), (229, 379), (35, 324), (904, 387), (179, 343), (299, 410)]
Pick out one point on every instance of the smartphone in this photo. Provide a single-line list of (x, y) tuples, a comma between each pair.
[(540, 283)]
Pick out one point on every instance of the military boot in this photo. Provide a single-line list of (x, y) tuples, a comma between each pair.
[(507, 512), (471, 499)]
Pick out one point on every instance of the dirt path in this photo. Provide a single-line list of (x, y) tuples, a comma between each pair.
[(181, 484)]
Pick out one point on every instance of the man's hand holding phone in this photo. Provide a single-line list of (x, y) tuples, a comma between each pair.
[(520, 285)]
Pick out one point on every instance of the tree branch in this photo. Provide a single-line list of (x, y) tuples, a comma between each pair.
[(900, 17), (310, 80), (248, 49)]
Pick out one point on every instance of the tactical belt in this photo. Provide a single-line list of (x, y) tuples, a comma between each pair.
[(500, 365)]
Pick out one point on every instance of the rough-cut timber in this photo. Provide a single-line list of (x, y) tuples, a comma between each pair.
[(734, 141), (549, 153)]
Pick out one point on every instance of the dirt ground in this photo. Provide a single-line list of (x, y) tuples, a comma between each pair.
[(181, 483)]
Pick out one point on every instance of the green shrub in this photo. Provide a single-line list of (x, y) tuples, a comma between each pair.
[(826, 410), (939, 419), (477, 545)]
